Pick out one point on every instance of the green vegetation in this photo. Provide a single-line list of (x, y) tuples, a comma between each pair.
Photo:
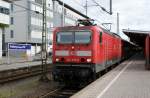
[(17, 90), (3, 25), (6, 94)]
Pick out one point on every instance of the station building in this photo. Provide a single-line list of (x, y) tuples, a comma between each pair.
[(4, 21), (26, 22)]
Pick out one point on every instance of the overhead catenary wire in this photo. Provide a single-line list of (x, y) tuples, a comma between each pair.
[(104, 10), (101, 15), (34, 10), (101, 18), (41, 13), (100, 23), (79, 4), (23, 7), (103, 7), (85, 7)]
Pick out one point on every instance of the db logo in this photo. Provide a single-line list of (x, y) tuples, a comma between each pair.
[(72, 53)]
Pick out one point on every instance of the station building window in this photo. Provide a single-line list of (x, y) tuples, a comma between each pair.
[(4, 10), (11, 20), (49, 5), (11, 34), (38, 1), (12, 7)]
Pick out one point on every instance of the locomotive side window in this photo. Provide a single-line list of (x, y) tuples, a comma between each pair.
[(82, 37), (65, 37), (100, 37)]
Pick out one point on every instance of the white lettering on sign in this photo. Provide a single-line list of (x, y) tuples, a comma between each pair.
[(17, 47)]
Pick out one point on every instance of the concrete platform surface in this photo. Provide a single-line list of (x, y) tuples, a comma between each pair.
[(128, 80), (20, 65)]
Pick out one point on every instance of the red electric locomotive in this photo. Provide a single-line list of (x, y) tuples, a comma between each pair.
[(147, 52), (80, 52)]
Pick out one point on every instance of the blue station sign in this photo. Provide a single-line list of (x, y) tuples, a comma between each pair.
[(19, 46)]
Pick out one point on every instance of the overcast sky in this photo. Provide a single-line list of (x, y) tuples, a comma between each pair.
[(134, 14)]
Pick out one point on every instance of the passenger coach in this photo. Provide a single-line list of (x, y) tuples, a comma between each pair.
[(147, 52)]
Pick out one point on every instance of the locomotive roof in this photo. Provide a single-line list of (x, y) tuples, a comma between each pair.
[(111, 33), (129, 42), (69, 28)]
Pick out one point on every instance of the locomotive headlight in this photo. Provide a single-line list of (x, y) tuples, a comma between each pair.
[(57, 59), (89, 60)]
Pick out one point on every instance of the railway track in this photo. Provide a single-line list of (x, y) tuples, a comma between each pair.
[(60, 93), (63, 92), (15, 74)]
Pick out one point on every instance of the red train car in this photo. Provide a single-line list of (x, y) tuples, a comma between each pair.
[(147, 52), (127, 49), (83, 51)]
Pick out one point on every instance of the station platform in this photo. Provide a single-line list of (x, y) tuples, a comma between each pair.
[(128, 80), (4, 67)]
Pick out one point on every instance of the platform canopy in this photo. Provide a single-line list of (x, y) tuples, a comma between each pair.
[(136, 36)]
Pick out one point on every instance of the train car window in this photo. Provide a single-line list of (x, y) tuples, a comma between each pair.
[(100, 37), (65, 37), (83, 37)]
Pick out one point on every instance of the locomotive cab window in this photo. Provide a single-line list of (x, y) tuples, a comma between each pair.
[(100, 37), (65, 37), (83, 37), (78, 37)]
